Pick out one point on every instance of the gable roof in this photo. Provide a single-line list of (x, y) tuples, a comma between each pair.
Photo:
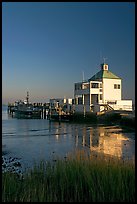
[(103, 74)]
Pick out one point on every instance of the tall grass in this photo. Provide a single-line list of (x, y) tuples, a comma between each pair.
[(79, 178)]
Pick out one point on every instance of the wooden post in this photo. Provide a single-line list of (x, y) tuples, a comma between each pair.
[(49, 112), (84, 109), (59, 114), (44, 113)]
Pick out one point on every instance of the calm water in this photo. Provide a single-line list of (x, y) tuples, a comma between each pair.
[(36, 139)]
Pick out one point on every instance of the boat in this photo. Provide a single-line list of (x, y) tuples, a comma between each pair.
[(24, 109)]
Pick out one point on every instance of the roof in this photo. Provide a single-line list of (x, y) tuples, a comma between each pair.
[(104, 74)]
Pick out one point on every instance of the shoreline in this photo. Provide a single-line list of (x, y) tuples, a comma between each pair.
[(124, 121)]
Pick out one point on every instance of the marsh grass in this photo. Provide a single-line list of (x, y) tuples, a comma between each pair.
[(77, 178)]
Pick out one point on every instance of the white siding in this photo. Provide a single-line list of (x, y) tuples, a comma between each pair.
[(109, 93), (125, 102), (122, 105), (94, 91)]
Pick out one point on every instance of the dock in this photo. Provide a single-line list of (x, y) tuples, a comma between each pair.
[(52, 114)]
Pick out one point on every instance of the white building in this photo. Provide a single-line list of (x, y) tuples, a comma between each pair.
[(102, 92), (65, 103)]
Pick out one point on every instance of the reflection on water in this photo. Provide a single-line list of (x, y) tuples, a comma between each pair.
[(37, 139), (109, 141)]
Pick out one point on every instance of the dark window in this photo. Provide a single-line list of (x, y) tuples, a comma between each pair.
[(100, 96), (94, 85), (111, 102), (115, 86), (80, 100)]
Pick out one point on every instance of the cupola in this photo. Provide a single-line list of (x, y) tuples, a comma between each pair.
[(104, 66)]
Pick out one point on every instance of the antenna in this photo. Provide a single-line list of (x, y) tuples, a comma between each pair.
[(83, 75), (104, 58)]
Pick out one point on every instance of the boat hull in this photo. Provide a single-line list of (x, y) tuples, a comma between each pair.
[(28, 114)]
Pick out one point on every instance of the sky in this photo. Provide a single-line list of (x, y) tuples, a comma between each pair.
[(49, 46)]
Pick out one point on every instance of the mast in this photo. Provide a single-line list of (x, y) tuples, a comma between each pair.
[(27, 98)]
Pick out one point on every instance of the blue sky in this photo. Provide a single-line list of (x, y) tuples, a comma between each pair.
[(47, 46)]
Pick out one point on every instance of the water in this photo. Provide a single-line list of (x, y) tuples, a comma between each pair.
[(36, 139)]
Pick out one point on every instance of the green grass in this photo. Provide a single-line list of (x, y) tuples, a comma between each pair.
[(78, 178)]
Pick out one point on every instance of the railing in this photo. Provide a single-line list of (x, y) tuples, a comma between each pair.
[(122, 107), (107, 108)]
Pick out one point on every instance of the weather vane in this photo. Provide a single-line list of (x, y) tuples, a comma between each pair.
[(104, 58)]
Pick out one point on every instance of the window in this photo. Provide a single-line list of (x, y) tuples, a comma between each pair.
[(100, 96), (85, 86), (116, 86), (100, 85), (94, 85), (111, 102), (80, 100)]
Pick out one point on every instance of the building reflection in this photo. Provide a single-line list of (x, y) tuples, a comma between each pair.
[(76, 139), (60, 131), (84, 139), (106, 141), (94, 137)]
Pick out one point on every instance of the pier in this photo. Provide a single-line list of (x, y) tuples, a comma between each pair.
[(51, 113)]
